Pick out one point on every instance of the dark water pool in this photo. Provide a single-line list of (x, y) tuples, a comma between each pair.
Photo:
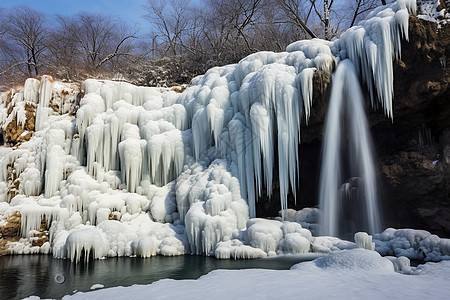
[(42, 275)]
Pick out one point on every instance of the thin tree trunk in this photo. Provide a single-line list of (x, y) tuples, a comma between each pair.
[(326, 19)]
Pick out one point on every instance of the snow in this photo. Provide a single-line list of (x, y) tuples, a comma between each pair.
[(356, 259), (97, 286), (428, 11), (413, 244), (350, 274)]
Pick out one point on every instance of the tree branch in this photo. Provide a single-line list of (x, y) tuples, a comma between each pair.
[(16, 65), (116, 52)]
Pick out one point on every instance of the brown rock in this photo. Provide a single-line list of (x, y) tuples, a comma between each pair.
[(10, 232), (14, 133), (12, 227)]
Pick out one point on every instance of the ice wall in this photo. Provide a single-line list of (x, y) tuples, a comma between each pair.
[(243, 110)]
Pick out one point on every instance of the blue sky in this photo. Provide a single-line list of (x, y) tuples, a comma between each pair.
[(130, 11)]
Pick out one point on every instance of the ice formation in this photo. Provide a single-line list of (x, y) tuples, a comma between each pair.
[(413, 244), (146, 171), (401, 264), (363, 240)]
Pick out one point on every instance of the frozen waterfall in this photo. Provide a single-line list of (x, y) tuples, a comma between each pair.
[(145, 171), (348, 198)]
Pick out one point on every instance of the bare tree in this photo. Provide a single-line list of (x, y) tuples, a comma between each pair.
[(170, 22), (361, 7), (247, 14), (298, 12), (273, 32), (2, 22), (98, 39), (324, 15), (71, 48), (348, 13), (186, 38), (26, 34), (65, 57), (3, 30), (230, 28)]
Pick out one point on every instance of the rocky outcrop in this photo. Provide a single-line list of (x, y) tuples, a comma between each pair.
[(416, 186), (9, 231), (17, 133), (20, 105), (413, 149)]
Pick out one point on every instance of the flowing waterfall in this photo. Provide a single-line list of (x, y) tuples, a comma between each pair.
[(348, 196)]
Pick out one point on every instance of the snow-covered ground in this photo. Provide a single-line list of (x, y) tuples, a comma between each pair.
[(348, 274)]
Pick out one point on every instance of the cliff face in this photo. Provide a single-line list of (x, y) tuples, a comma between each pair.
[(412, 150)]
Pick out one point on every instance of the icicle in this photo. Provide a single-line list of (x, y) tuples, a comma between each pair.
[(45, 94), (54, 170), (31, 90), (373, 44), (201, 137), (237, 138), (263, 143), (305, 85), (249, 173), (130, 150), (82, 242)]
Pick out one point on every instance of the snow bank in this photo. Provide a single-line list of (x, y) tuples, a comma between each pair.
[(356, 259)]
